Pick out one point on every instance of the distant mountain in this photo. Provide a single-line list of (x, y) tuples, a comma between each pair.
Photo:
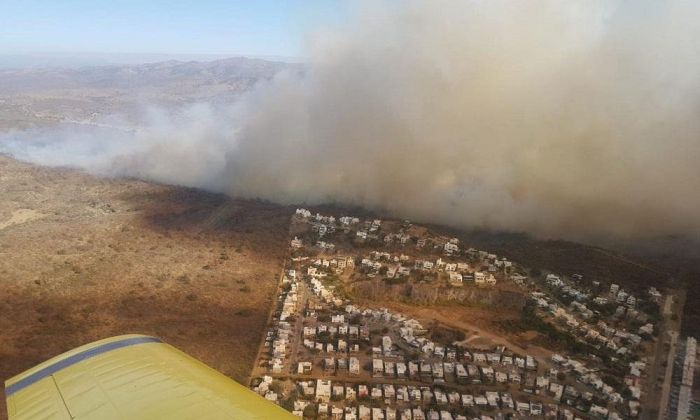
[(237, 71), (31, 97)]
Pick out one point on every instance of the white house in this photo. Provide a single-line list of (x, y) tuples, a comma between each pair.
[(455, 279)]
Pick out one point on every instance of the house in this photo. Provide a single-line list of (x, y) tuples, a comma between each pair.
[(480, 400), (553, 280), (440, 264), (530, 363), (490, 280), (303, 213), (557, 391), (438, 372), (479, 278), (418, 414), (427, 395), (426, 371), (338, 391), (365, 413), (364, 332), (349, 393), (445, 415), (389, 369), (413, 370), (474, 374), (518, 279), (329, 364), (323, 390), (304, 368), (461, 373), (415, 394), (501, 377), (522, 407), (646, 329), (400, 370), (493, 358), (389, 391), (492, 398), (440, 397), (507, 400), (535, 408), (451, 248), (654, 295), (597, 410), (322, 410), (487, 373), (455, 279), (377, 367), (336, 413), (354, 366), (386, 345)]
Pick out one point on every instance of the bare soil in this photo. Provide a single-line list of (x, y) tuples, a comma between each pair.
[(84, 258)]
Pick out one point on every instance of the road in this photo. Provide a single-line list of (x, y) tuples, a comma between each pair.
[(257, 371), (302, 298), (655, 397), (668, 372)]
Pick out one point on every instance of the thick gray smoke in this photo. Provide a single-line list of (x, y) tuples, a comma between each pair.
[(559, 118)]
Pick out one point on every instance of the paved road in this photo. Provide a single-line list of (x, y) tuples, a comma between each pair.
[(666, 387), (655, 398)]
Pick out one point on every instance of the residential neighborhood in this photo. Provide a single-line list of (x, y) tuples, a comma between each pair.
[(325, 356)]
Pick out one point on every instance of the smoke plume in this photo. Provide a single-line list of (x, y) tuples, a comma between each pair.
[(562, 119)]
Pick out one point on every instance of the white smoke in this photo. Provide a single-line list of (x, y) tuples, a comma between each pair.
[(565, 119)]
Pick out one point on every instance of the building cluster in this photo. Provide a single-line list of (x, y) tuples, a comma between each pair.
[(619, 335), (388, 401), (278, 338), (458, 273), (578, 320), (684, 373), (458, 267), (347, 362)]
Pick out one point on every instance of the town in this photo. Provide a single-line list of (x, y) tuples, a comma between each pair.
[(326, 357)]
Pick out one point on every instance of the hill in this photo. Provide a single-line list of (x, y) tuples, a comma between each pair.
[(43, 96), (83, 258)]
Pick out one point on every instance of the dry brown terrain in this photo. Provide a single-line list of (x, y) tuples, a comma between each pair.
[(83, 258)]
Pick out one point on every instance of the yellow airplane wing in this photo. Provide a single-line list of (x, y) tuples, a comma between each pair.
[(131, 377)]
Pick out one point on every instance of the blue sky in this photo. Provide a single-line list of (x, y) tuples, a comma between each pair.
[(233, 27)]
